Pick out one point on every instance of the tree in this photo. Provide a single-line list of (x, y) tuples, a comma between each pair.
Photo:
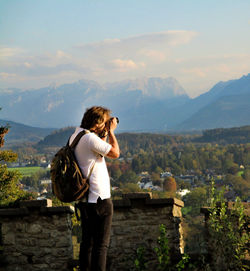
[(240, 185), (169, 184), (233, 169), (196, 199), (129, 177), (9, 180), (228, 243), (130, 187)]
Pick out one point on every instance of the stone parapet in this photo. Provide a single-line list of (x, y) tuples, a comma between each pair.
[(136, 222), (36, 236)]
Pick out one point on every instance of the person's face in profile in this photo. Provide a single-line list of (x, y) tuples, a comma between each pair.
[(98, 128)]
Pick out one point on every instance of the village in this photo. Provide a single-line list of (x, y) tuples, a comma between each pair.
[(183, 184)]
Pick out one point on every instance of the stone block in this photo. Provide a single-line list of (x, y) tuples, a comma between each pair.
[(138, 195), (42, 235), (58, 210), (34, 229), (10, 212), (62, 252), (63, 227), (119, 216), (47, 243), (41, 266), (121, 231), (36, 203), (177, 211), (63, 242), (9, 239), (59, 265), (10, 259), (21, 227), (28, 242), (6, 228), (22, 260)]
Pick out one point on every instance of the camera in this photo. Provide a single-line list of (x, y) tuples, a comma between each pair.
[(109, 122), (117, 120), (107, 127)]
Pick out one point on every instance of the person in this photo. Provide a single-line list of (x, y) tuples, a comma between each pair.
[(97, 212)]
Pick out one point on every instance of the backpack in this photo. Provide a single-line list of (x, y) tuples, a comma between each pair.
[(68, 182)]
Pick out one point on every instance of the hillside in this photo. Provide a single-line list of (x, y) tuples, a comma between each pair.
[(226, 105), (225, 112), (143, 141), (23, 133), (57, 138), (238, 135)]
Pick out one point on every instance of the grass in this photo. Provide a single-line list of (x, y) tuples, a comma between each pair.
[(240, 173), (27, 171)]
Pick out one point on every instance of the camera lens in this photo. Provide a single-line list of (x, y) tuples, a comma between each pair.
[(117, 120)]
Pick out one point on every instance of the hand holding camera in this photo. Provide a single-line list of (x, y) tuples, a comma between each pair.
[(112, 123), (110, 126)]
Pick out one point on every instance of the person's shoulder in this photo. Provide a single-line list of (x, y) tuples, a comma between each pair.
[(91, 136)]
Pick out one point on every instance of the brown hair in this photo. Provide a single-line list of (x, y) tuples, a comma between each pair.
[(94, 115)]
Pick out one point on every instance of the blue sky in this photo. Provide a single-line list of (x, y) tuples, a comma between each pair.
[(199, 43)]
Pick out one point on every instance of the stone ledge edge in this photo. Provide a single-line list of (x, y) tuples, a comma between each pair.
[(128, 202), (24, 211)]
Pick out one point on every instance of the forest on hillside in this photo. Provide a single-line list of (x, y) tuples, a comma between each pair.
[(237, 135), (158, 153)]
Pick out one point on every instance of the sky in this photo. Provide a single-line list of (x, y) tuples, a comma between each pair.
[(52, 42)]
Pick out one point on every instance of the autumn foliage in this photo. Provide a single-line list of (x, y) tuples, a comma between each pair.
[(169, 184)]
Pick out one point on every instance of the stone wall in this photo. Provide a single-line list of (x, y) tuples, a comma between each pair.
[(136, 223), (36, 236)]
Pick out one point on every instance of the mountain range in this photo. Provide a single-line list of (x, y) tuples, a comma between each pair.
[(147, 104)]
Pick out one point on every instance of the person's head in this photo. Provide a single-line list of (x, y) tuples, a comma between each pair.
[(95, 117)]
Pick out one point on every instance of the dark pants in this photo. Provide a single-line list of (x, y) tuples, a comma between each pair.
[(96, 220)]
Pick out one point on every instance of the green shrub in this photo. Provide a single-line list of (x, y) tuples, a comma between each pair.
[(228, 237)]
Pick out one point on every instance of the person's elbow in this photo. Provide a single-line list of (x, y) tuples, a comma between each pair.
[(114, 153)]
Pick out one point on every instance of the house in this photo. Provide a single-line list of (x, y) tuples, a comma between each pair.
[(165, 174), (183, 192)]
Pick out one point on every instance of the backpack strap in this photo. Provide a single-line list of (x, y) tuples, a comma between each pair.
[(75, 142), (72, 146), (76, 139)]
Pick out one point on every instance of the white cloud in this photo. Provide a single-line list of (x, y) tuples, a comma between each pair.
[(99, 61), (124, 65), (6, 52), (27, 64), (168, 53), (197, 72), (154, 55), (131, 45), (137, 53), (62, 55), (120, 63), (5, 75)]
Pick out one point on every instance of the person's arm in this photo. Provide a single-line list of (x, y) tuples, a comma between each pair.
[(115, 150)]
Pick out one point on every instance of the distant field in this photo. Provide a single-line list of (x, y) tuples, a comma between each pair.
[(27, 171)]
